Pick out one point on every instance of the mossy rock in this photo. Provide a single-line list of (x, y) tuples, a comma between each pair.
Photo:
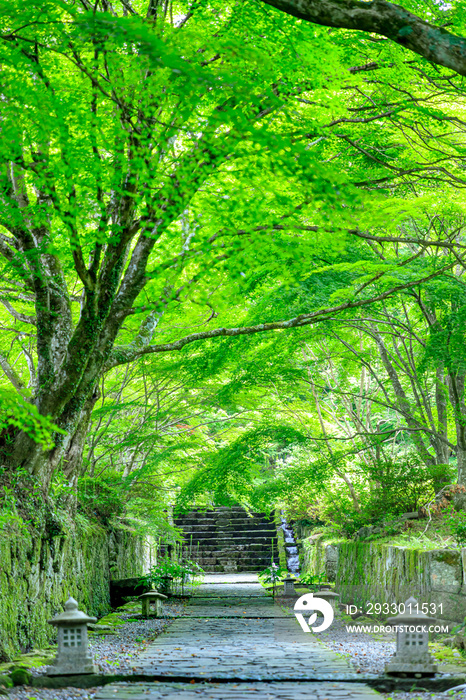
[(449, 558), (112, 619), (21, 676), (34, 659), (5, 682), (102, 633), (128, 607)]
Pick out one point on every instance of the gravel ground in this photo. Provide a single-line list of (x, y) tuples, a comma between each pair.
[(425, 696), (26, 693), (115, 654), (367, 652)]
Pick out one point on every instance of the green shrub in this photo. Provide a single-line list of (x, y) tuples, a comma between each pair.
[(273, 574), (398, 486), (442, 475), (457, 523), (181, 571), (313, 580), (384, 490)]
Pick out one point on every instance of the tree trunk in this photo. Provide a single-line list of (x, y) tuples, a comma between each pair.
[(456, 387), (68, 451), (73, 456)]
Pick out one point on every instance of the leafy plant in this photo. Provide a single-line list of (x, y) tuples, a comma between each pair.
[(180, 571), (273, 574), (313, 580)]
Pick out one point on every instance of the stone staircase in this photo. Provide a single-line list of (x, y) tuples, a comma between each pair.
[(229, 539)]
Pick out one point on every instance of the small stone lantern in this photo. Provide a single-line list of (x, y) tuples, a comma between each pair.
[(288, 586), (152, 597), (328, 594), (73, 657), (166, 584), (412, 658)]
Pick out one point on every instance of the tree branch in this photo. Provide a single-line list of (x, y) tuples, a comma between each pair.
[(387, 19), (123, 354), (24, 318), (10, 372)]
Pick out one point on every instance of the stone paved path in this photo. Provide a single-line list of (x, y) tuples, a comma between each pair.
[(236, 638)]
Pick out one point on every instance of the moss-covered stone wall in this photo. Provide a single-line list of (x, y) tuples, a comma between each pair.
[(385, 573), (38, 572)]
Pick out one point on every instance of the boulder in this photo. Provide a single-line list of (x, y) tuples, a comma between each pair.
[(21, 676)]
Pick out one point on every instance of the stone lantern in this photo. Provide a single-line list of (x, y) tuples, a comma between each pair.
[(412, 658), (73, 657), (288, 586), (166, 584), (328, 594), (152, 597)]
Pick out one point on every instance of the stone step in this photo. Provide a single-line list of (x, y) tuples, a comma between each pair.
[(228, 539), (246, 557), (262, 563), (224, 510), (251, 523), (251, 545), (243, 522), (251, 565), (243, 538), (222, 514), (218, 568), (233, 554), (213, 551), (225, 515), (245, 527)]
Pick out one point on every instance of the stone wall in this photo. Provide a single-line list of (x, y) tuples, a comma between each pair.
[(38, 573), (383, 573)]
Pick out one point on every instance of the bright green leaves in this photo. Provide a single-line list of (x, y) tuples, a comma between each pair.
[(18, 413), (235, 471)]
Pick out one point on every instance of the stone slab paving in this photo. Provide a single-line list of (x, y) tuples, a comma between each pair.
[(235, 634), (238, 691), (223, 590), (228, 579), (229, 608)]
